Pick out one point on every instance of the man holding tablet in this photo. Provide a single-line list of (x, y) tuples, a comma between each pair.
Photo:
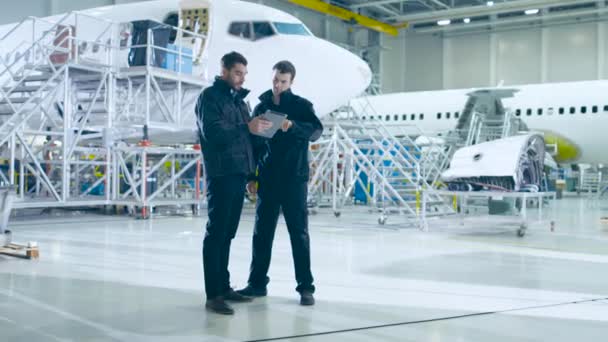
[(283, 182), (225, 129)]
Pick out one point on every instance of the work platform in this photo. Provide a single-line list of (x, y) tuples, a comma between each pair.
[(75, 118)]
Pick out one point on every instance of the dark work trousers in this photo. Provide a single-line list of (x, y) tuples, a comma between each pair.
[(225, 197), (290, 195)]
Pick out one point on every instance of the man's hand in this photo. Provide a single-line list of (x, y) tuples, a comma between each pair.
[(286, 125), (252, 188), (259, 125)]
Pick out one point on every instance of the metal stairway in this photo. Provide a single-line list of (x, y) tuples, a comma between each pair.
[(65, 112), (591, 181), (391, 170)]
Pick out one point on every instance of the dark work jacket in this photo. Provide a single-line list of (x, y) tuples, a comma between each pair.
[(222, 118), (285, 155)]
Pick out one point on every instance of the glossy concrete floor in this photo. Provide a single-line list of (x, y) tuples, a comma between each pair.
[(104, 278)]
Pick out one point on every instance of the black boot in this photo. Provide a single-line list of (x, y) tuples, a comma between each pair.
[(251, 291), (218, 305), (306, 298), (237, 297)]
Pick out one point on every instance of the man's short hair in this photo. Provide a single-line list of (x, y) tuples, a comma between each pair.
[(285, 67), (230, 59)]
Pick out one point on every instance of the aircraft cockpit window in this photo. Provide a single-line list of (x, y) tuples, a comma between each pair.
[(583, 109), (262, 30), (240, 29), (291, 28), (594, 109)]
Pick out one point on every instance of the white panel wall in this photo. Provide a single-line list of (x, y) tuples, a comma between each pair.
[(338, 31), (572, 52), (17, 11), (42, 8), (602, 50), (423, 62), (466, 61), (518, 57), (392, 61), (63, 6), (556, 53)]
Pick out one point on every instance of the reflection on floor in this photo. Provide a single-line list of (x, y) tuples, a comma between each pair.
[(103, 278)]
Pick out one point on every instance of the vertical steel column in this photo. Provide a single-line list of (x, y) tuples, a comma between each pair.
[(11, 171), (148, 72), (144, 181), (22, 174), (67, 123)]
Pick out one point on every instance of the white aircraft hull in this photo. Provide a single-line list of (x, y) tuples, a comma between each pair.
[(581, 136)]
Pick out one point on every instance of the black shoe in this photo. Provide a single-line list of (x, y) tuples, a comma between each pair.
[(306, 298), (218, 305), (237, 297), (250, 291)]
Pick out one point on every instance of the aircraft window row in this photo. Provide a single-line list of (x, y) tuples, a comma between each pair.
[(396, 117), (561, 110), (412, 117), (251, 30), (448, 115), (291, 28)]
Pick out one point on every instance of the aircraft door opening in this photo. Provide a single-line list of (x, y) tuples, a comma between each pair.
[(195, 17)]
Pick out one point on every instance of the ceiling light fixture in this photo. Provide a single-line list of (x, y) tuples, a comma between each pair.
[(444, 22)]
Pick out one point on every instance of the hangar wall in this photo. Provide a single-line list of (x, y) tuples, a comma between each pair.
[(557, 53), (42, 8)]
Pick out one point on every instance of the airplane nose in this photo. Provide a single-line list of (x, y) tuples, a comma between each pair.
[(339, 75)]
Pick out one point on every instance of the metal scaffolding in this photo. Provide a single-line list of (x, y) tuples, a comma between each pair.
[(360, 161), (72, 119)]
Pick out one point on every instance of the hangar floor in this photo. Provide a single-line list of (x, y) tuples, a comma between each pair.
[(103, 278)]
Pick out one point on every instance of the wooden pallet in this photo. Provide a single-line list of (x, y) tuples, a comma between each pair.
[(20, 251)]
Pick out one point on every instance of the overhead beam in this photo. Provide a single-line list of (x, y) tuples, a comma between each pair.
[(480, 10), (387, 10), (344, 14), (376, 3), (440, 4)]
